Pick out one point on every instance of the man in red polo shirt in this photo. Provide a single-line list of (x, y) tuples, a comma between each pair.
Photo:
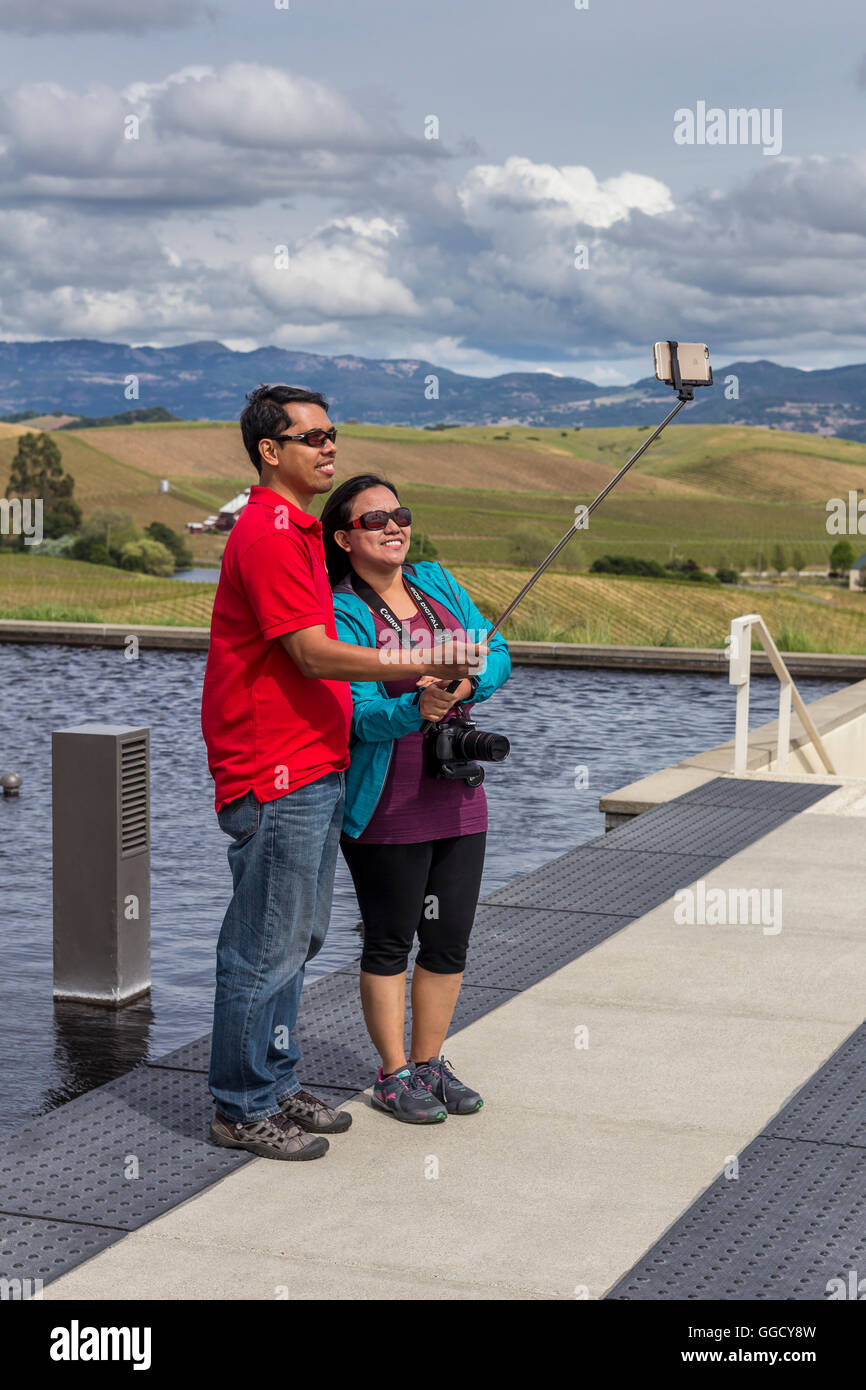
[(276, 713)]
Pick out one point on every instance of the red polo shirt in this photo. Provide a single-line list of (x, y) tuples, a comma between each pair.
[(267, 727)]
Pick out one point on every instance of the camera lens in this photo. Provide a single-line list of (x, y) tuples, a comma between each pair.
[(475, 744)]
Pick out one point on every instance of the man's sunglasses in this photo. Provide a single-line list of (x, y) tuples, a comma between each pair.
[(315, 438), (377, 521)]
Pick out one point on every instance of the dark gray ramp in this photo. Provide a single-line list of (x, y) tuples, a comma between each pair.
[(606, 879), (715, 831), (514, 949), (787, 798), (831, 1107), (32, 1248), (68, 1184), (793, 1220), (118, 1156), (194, 1056)]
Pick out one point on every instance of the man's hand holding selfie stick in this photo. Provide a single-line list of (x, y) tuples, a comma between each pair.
[(325, 658)]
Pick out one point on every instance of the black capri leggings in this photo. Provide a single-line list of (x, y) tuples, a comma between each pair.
[(430, 888)]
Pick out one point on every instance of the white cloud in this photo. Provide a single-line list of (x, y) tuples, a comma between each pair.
[(555, 198), (240, 134), (530, 218), (259, 107), (477, 273), (340, 270)]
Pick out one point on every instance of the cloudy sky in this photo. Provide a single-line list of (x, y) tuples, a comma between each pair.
[(261, 172)]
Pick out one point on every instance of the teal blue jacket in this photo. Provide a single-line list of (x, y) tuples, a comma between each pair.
[(378, 718)]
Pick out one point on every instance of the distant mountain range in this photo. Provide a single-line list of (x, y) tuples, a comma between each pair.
[(81, 376)]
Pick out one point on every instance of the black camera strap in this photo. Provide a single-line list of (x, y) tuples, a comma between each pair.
[(378, 605)]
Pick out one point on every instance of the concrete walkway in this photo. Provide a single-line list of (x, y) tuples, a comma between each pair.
[(582, 1155)]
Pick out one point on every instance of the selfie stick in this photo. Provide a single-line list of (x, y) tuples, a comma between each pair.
[(685, 394)]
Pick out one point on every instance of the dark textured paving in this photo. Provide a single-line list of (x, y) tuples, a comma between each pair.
[(831, 1107), (74, 1181), (192, 1056), (31, 1248), (786, 798), (513, 948), (119, 1156), (102, 1165), (606, 879), (719, 831), (793, 1220)]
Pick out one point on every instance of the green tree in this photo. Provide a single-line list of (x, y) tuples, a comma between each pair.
[(798, 559), (779, 559), (626, 564), (841, 556), (420, 548), (150, 557), (37, 472), (183, 556), (93, 552), (527, 545), (111, 527)]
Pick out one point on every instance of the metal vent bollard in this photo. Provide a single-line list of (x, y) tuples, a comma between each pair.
[(101, 835)]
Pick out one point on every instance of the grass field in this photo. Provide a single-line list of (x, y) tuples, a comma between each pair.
[(717, 494), (50, 590), (563, 607)]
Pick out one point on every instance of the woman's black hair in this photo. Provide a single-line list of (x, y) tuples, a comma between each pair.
[(336, 515)]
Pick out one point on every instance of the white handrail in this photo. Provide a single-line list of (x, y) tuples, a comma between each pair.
[(740, 666)]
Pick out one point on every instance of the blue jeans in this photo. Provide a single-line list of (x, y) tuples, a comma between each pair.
[(282, 859)]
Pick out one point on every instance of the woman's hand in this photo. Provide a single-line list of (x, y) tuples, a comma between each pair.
[(436, 700)]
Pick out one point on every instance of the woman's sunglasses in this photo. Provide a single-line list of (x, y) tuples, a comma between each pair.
[(377, 521), (315, 438)]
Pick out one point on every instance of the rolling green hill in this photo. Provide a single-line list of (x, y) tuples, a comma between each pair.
[(717, 494)]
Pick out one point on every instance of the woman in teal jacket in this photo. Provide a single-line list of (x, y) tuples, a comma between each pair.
[(414, 841)]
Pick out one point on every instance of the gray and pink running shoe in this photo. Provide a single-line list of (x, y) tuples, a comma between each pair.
[(406, 1097), (438, 1076)]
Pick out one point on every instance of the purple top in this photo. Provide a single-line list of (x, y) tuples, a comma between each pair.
[(414, 806)]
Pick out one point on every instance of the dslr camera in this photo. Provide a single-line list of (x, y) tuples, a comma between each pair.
[(454, 746)]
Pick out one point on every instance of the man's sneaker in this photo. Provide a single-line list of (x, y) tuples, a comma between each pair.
[(276, 1137), (407, 1098), (445, 1086), (313, 1115)]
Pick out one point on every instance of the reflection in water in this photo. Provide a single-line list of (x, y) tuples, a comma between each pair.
[(93, 1045), (617, 725)]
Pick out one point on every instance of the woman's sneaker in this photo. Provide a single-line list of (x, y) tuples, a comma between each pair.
[(277, 1137), (437, 1075), (405, 1097)]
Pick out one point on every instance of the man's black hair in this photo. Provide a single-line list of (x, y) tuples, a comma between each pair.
[(263, 416), (336, 515)]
